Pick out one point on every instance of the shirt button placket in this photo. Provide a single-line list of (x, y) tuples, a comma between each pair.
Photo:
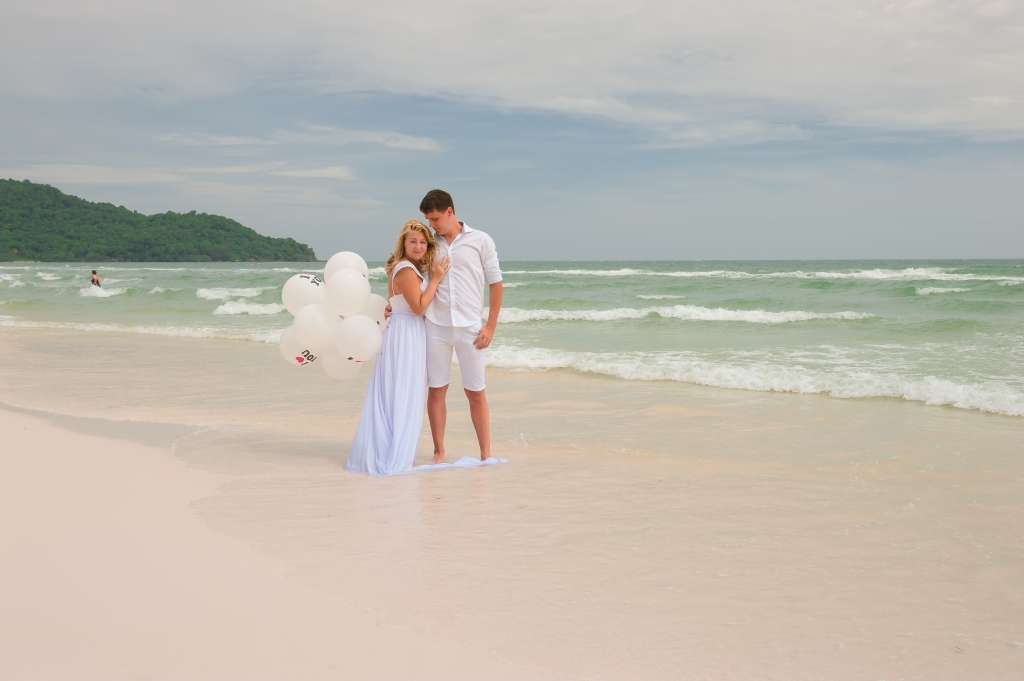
[(451, 285)]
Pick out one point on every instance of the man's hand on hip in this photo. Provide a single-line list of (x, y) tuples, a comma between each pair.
[(483, 339)]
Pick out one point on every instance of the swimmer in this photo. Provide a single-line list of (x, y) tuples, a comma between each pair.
[(96, 279)]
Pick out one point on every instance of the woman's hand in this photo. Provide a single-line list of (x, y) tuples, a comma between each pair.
[(440, 268)]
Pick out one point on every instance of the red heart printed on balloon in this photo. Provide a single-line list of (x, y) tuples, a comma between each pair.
[(300, 360)]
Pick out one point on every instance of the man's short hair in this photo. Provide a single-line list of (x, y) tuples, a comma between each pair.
[(437, 199)]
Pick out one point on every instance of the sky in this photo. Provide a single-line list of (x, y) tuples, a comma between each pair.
[(739, 129)]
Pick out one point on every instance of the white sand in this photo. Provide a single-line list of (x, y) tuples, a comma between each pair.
[(106, 574), (647, 531)]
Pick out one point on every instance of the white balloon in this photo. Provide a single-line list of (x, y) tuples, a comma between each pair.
[(346, 260), (358, 337), (339, 367), (294, 352), (315, 325), (347, 292), (302, 290), (374, 309)]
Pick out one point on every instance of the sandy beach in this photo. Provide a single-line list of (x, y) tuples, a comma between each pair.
[(187, 516), (109, 575)]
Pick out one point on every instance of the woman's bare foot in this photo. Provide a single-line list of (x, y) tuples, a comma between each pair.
[(438, 457)]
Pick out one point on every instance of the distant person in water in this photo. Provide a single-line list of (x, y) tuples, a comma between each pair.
[(96, 279)]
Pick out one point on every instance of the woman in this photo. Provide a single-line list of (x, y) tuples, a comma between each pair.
[(389, 430)]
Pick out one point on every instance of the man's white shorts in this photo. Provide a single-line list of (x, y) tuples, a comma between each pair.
[(441, 340)]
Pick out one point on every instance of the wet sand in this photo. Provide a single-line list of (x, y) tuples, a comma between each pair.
[(641, 530), (108, 575)]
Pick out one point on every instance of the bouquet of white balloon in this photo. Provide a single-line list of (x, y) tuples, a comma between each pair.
[(338, 322)]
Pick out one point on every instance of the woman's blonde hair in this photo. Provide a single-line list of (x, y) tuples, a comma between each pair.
[(427, 261)]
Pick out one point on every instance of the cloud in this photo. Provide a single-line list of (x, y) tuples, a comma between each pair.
[(688, 71), (333, 172), (730, 67), (225, 170), (278, 169), (88, 174), (311, 134), (268, 194), (325, 135), (511, 165), (212, 140)]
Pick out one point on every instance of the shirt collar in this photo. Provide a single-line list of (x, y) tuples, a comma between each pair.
[(466, 228)]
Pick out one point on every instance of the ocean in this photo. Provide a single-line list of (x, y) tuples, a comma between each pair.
[(938, 332)]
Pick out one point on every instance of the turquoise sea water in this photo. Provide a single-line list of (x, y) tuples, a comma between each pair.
[(939, 332)]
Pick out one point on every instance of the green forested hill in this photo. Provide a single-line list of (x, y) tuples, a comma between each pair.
[(39, 222)]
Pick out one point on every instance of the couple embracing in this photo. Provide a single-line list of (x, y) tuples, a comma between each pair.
[(436, 295)]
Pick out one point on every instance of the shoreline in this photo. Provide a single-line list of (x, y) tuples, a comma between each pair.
[(855, 330), (659, 530), (143, 588), (567, 370)]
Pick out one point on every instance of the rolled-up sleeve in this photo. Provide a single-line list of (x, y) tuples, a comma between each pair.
[(489, 260)]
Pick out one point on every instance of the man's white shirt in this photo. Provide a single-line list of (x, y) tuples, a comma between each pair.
[(459, 300)]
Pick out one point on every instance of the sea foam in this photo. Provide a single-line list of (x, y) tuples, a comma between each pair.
[(91, 291), (226, 293), (245, 307), (512, 315), (907, 274), (993, 396), (929, 290), (255, 335), (594, 273)]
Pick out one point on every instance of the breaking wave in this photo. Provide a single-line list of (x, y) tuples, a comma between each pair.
[(245, 307), (596, 273), (91, 291), (255, 335), (993, 396), (512, 315), (928, 290), (907, 274), (226, 293)]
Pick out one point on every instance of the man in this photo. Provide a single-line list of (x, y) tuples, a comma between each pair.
[(453, 319)]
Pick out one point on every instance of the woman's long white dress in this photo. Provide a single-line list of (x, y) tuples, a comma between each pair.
[(389, 429)]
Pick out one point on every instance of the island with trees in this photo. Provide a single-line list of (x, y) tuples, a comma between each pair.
[(40, 222)]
